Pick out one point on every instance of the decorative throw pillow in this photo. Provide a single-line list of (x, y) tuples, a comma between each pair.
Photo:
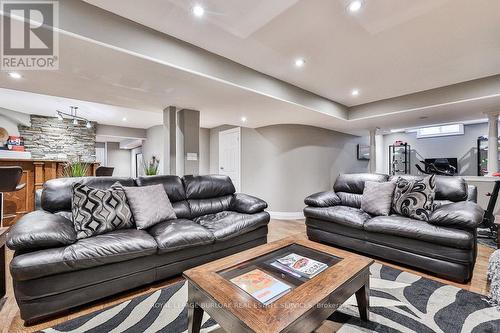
[(97, 211), (377, 198), (150, 205), (414, 198)]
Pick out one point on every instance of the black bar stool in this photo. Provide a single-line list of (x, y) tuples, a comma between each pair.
[(10, 176), (103, 171)]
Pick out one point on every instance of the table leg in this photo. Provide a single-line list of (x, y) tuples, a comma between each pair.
[(195, 316), (363, 298), (2, 271)]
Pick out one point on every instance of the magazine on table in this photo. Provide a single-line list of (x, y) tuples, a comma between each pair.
[(301, 265), (261, 286)]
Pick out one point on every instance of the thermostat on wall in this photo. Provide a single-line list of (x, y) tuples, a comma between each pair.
[(192, 156)]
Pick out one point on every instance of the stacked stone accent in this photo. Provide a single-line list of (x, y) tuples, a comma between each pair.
[(54, 139)]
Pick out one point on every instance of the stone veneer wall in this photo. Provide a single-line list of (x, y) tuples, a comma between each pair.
[(51, 138)]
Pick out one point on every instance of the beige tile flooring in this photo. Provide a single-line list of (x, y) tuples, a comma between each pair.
[(12, 323)]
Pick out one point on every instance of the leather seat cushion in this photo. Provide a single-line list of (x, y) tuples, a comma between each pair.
[(115, 246), (420, 230), (180, 234), (226, 225), (348, 216)]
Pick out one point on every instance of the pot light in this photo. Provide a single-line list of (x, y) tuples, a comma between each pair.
[(198, 11), (244, 119), (124, 119), (15, 75), (355, 6), (300, 62), (355, 92)]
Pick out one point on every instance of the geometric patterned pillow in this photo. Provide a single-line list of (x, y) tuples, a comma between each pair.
[(97, 211), (414, 198)]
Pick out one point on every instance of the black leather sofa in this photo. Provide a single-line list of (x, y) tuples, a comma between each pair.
[(446, 245), (49, 276)]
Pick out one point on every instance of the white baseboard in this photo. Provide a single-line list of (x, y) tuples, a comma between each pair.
[(287, 215)]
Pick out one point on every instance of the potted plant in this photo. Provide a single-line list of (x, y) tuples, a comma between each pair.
[(76, 168), (151, 168)]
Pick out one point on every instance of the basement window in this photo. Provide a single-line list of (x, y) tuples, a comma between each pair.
[(443, 130)]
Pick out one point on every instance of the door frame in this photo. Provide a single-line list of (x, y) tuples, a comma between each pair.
[(229, 131)]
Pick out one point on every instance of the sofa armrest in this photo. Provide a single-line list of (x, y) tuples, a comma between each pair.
[(40, 229), (323, 199), (460, 215), (247, 204)]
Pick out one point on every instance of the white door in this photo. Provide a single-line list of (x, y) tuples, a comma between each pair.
[(230, 155)]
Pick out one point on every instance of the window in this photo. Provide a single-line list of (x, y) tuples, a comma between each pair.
[(444, 130)]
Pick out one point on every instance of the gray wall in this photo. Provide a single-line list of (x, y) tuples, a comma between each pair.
[(283, 164), (51, 138), (153, 145), (463, 147), (204, 151), (119, 159)]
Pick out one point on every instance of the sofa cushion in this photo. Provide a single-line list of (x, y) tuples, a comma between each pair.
[(97, 211), (114, 246), (172, 184), (350, 199), (150, 205), (377, 198), (323, 199), (57, 193), (180, 234), (348, 216), (211, 186), (200, 207), (226, 225), (420, 230), (461, 215), (355, 182), (414, 198)]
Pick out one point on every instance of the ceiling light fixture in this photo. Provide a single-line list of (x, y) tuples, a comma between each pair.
[(73, 116), (244, 119), (300, 62), (15, 75), (355, 6), (355, 92), (198, 11), (124, 119)]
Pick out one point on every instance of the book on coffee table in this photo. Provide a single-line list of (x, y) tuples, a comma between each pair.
[(263, 287), (301, 265)]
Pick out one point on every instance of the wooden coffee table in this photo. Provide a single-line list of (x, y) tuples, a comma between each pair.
[(303, 309)]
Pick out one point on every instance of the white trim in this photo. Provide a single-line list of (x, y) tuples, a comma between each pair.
[(287, 215)]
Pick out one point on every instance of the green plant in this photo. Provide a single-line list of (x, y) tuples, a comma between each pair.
[(151, 168), (76, 168)]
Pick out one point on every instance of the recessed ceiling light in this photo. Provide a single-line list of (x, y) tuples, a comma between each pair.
[(15, 75), (355, 6), (355, 92), (198, 11), (124, 119), (244, 119), (300, 62)]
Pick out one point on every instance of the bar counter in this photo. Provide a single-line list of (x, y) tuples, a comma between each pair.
[(35, 173)]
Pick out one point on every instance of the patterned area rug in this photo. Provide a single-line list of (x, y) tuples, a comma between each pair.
[(399, 302)]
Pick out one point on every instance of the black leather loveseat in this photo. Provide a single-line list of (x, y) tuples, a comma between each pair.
[(446, 245), (50, 276)]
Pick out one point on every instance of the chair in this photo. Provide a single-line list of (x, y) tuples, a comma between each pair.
[(103, 171), (10, 176)]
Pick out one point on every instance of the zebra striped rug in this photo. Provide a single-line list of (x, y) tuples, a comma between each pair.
[(399, 302)]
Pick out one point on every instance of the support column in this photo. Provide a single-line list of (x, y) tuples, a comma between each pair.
[(492, 143), (380, 151), (169, 140), (373, 151)]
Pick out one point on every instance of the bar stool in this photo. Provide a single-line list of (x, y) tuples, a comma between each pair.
[(10, 176), (103, 171)]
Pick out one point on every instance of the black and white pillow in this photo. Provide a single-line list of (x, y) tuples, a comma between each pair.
[(96, 211), (414, 198)]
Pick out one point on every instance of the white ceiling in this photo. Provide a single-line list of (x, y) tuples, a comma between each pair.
[(389, 48)]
